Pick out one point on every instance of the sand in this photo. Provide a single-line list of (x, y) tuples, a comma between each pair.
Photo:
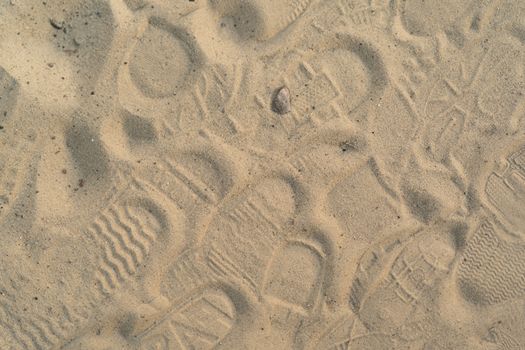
[(262, 174)]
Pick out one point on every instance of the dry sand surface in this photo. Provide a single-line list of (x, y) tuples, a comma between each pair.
[(262, 174)]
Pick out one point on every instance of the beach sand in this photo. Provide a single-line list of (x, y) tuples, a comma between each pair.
[(262, 174)]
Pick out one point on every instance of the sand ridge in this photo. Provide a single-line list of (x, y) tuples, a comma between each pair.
[(262, 174)]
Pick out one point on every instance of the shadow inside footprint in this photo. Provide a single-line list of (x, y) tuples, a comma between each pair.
[(139, 130), (243, 19), (258, 19), (8, 94), (421, 204), (88, 155)]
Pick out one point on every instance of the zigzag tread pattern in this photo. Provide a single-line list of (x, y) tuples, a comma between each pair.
[(125, 241), (494, 268), (37, 332)]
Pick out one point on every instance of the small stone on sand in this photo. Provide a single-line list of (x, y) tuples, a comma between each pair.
[(281, 101), (56, 24)]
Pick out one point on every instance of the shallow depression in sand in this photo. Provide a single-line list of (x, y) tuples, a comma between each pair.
[(161, 61)]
